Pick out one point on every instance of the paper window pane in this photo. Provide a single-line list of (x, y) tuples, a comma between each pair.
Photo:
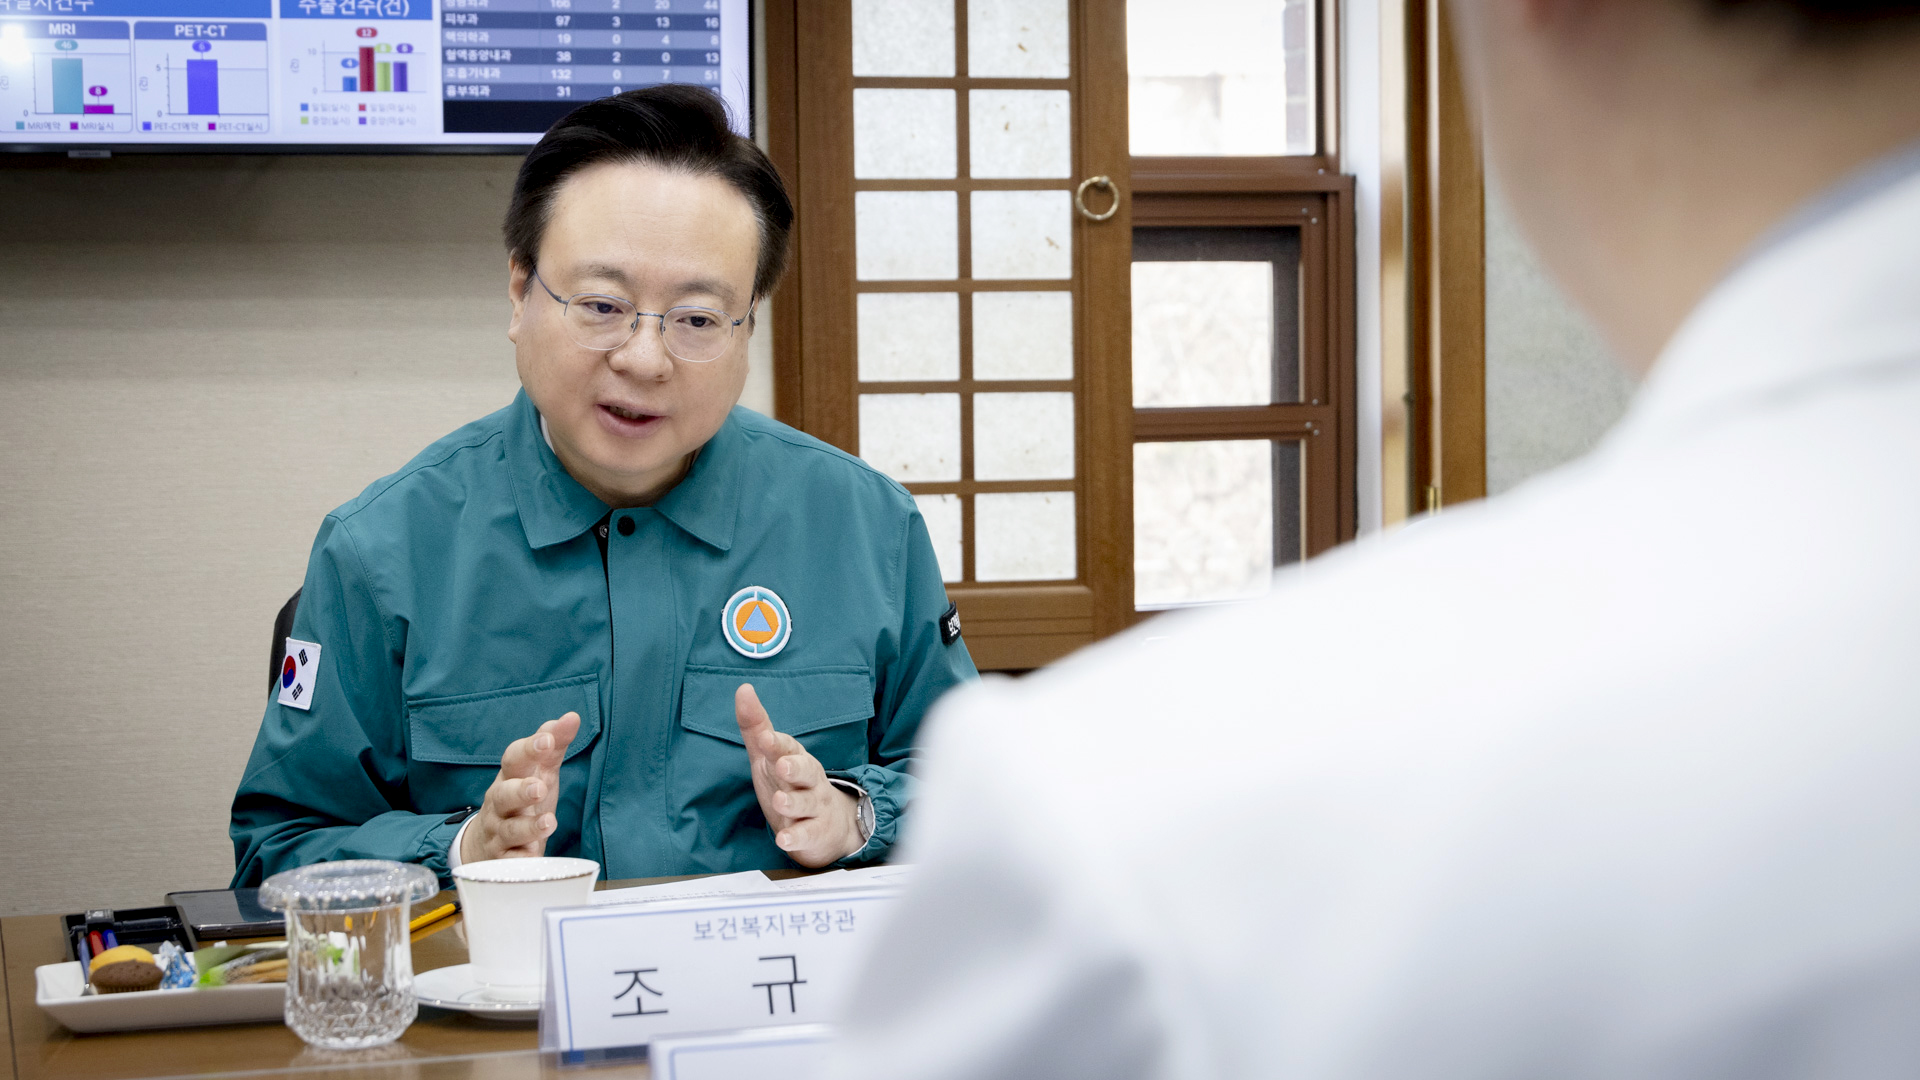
[(1014, 134), (1017, 39), (904, 134), (903, 37), (911, 437), (905, 337), (1202, 521), (1023, 436), (1209, 77), (1202, 333), (1022, 234), (1024, 536), (1023, 335), (906, 235), (942, 515)]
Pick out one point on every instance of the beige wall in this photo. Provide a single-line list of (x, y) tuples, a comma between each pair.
[(199, 357), (1553, 389)]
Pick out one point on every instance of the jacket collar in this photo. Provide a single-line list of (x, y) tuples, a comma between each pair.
[(554, 507), (706, 502), (1829, 296)]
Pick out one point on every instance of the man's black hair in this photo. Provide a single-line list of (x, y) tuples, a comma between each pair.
[(675, 127)]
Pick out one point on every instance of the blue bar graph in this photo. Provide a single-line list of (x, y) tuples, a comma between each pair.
[(69, 86), (349, 83), (203, 87), (400, 77)]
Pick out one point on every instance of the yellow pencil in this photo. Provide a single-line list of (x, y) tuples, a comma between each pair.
[(435, 915), (433, 928)]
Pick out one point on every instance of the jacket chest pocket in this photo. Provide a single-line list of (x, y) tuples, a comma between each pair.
[(474, 730), (826, 708)]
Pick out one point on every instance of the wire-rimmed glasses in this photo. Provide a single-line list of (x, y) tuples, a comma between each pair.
[(603, 323)]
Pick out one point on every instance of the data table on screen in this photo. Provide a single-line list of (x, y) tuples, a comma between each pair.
[(509, 63)]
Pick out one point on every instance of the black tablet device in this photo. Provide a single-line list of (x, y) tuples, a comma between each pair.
[(217, 914)]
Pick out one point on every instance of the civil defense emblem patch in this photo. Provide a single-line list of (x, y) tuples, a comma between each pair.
[(756, 622)]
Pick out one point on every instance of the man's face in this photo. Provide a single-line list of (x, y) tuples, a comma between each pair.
[(623, 422)]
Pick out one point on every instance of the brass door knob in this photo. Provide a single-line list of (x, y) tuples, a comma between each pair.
[(1080, 197)]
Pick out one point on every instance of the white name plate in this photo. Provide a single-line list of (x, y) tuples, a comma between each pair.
[(787, 1052), (619, 976)]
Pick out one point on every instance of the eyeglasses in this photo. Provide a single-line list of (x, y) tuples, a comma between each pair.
[(603, 323)]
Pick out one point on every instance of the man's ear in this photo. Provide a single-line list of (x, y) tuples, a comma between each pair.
[(519, 280)]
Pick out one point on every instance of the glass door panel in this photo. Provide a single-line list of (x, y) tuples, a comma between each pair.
[(995, 467), (956, 319)]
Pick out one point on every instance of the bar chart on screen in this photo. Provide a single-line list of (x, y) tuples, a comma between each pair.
[(371, 69), (202, 76), (66, 76), (382, 75)]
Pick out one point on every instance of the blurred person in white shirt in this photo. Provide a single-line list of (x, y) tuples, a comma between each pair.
[(1616, 775)]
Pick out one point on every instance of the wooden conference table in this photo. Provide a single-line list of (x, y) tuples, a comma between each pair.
[(441, 1045)]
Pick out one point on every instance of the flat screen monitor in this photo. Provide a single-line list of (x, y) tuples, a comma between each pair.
[(350, 76)]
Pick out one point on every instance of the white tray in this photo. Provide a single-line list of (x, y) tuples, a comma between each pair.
[(57, 989)]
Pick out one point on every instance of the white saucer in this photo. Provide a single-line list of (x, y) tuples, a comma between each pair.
[(455, 988)]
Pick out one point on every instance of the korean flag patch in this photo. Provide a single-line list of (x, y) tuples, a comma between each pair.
[(297, 672)]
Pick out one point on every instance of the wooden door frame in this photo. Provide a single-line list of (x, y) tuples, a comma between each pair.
[(815, 378), (1445, 244), (783, 147)]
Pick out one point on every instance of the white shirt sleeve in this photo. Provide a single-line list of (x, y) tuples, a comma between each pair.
[(453, 850)]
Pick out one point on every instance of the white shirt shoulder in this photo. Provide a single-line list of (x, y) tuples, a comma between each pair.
[(1609, 776)]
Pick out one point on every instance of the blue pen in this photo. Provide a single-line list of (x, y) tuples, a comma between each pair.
[(111, 941)]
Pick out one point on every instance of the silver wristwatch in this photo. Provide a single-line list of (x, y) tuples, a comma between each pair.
[(862, 813)]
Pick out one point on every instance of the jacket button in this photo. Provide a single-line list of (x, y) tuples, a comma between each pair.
[(626, 526)]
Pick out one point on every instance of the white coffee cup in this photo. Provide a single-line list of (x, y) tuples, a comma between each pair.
[(500, 904)]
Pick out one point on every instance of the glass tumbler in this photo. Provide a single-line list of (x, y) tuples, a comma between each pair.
[(349, 958)]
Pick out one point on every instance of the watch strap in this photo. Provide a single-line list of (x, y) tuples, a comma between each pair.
[(863, 813)]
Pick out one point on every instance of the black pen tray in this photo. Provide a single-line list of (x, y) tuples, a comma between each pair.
[(149, 939)]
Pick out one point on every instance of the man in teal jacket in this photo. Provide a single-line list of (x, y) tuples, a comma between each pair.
[(620, 618)]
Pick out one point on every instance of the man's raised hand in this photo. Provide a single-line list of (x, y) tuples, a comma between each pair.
[(813, 821), (518, 814)]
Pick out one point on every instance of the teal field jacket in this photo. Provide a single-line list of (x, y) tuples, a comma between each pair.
[(463, 601)]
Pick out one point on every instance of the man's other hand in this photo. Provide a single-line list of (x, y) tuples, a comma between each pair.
[(517, 817), (813, 821)]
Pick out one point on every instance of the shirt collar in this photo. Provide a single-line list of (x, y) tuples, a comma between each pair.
[(555, 508), (1829, 295), (1859, 187)]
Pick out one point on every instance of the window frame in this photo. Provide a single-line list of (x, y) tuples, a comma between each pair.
[(1307, 192)]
